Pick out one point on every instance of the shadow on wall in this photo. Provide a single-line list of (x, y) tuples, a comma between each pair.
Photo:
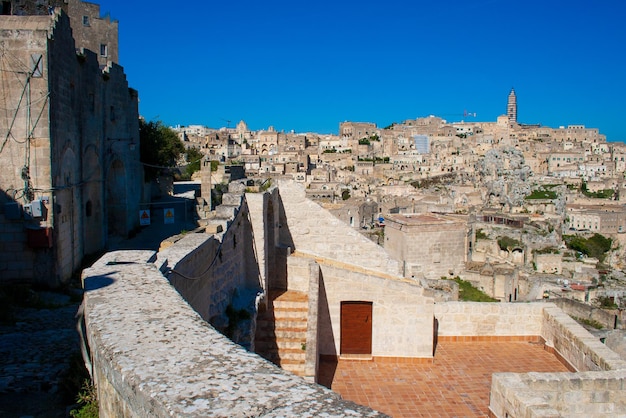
[(27, 249), (327, 373), (281, 247)]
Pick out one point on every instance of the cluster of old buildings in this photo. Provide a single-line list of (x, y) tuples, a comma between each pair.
[(428, 175)]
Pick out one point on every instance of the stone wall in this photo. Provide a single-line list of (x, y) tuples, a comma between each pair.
[(549, 263), (588, 394), (597, 389), (427, 245), (483, 319), (83, 133), (609, 319), (212, 272), (306, 226), (402, 317), (152, 355), (352, 268), (575, 344)]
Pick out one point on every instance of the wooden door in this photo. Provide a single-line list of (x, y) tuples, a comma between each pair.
[(356, 328)]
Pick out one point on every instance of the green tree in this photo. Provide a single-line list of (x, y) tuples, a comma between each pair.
[(160, 147), (193, 157), (596, 246)]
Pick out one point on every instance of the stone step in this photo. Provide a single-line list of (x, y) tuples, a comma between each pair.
[(281, 333), (296, 354), (291, 323), (285, 304), (297, 368), (290, 355), (291, 313), (269, 344), (290, 333)]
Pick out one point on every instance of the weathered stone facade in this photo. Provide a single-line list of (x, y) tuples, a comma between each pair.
[(427, 245), (70, 151)]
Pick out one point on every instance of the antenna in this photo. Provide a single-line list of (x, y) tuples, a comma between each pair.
[(227, 122)]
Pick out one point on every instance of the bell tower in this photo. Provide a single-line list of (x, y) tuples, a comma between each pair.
[(511, 107)]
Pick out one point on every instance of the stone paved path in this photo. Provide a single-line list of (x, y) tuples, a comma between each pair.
[(34, 356), (35, 352)]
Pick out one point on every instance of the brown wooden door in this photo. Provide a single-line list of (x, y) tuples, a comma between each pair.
[(356, 328)]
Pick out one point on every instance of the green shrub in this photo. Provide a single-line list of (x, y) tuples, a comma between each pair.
[(597, 246), (481, 235), (88, 401), (468, 293), (508, 243)]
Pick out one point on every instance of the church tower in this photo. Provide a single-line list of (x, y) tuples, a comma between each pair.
[(511, 107)]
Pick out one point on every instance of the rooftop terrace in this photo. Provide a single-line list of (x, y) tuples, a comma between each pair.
[(457, 383)]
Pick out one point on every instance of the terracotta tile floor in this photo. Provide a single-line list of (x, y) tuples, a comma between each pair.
[(456, 384)]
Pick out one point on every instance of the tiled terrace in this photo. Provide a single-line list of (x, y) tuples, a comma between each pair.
[(456, 384)]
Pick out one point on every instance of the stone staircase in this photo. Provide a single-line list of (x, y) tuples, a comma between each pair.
[(281, 331)]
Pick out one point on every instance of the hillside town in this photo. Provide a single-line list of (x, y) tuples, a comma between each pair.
[(494, 203), (195, 271)]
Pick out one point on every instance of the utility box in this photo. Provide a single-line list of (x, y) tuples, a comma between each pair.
[(36, 208), (33, 209)]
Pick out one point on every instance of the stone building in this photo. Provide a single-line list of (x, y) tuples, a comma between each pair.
[(602, 219), (70, 144), (427, 245), (90, 31)]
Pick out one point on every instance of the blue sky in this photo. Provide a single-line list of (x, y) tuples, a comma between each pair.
[(308, 65)]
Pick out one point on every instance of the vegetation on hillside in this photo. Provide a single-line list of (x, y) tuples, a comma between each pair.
[(600, 194), (508, 243), (480, 234), (193, 158), (468, 293), (547, 250), (544, 192), (596, 246)]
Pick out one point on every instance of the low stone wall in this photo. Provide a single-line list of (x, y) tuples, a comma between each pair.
[(596, 390), (610, 320), (575, 344), (588, 394), (482, 319), (152, 355)]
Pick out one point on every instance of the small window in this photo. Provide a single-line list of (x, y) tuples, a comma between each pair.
[(88, 209), (85, 20), (104, 50)]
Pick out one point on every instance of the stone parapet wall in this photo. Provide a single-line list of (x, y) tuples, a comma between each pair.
[(152, 355), (588, 395), (492, 319), (575, 344), (609, 319)]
